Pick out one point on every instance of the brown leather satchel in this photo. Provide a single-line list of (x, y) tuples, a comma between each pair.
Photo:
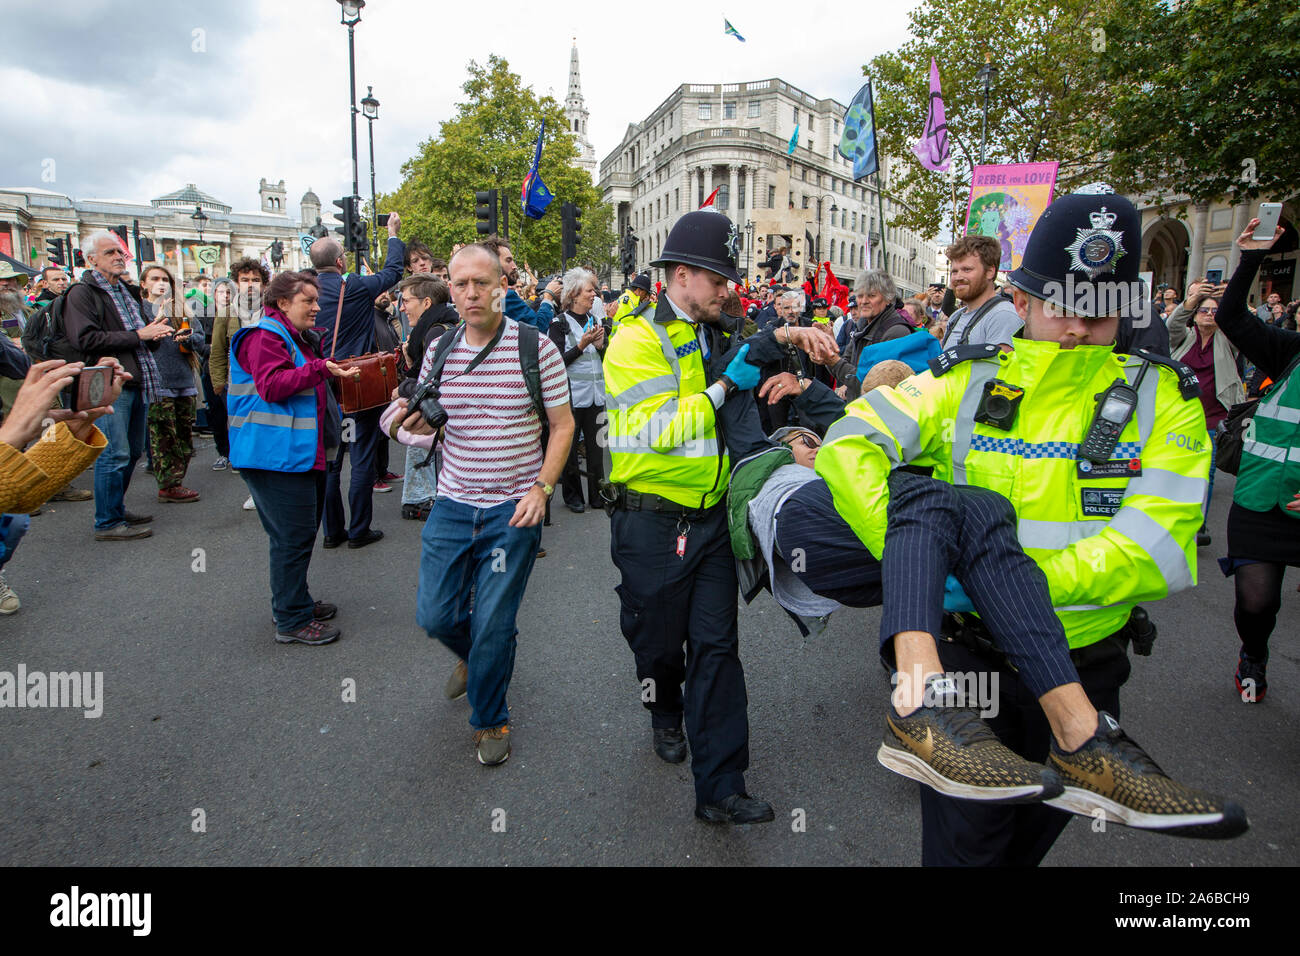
[(378, 373)]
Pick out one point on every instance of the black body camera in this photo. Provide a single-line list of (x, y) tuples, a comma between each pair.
[(999, 404)]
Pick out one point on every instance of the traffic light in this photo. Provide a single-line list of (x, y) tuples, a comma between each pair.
[(147, 253), (629, 254), (120, 232), (347, 217), (78, 258), (570, 230), (55, 247), (359, 236), (485, 211)]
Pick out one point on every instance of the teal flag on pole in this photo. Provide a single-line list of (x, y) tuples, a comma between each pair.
[(731, 31), (794, 140)]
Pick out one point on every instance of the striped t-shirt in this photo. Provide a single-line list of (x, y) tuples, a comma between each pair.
[(492, 443)]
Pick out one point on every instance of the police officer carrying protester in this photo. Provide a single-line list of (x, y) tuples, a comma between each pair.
[(1104, 458), (671, 375)]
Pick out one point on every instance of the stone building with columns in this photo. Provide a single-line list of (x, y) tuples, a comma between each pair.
[(30, 216), (1180, 244), (735, 138)]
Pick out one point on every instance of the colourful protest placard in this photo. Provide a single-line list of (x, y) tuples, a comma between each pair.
[(1006, 201)]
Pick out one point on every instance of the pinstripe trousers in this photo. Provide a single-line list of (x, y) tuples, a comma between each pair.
[(935, 529)]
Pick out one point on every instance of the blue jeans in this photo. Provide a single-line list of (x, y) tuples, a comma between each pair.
[(125, 430), (289, 504), (466, 548), (12, 529)]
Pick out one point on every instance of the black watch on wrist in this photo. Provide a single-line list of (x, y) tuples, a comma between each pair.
[(729, 387)]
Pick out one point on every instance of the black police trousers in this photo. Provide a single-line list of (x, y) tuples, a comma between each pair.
[(678, 615), (970, 833)]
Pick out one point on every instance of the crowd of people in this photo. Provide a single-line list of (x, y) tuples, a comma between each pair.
[(943, 458)]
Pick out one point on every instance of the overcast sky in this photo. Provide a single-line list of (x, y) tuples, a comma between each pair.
[(128, 101)]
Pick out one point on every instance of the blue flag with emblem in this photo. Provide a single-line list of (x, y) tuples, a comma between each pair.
[(536, 197), (794, 140), (858, 142)]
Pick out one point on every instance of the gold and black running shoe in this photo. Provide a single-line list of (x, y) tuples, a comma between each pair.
[(1112, 775), (951, 750)]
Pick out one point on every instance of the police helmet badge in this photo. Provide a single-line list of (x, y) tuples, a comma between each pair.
[(1096, 250), (732, 243)]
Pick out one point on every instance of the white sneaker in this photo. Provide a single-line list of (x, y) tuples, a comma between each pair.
[(8, 600), (248, 505), (221, 463)]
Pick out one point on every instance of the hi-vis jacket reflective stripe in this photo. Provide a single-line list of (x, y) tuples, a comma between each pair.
[(662, 435), (277, 436), (1269, 475), (627, 304), (1104, 543)]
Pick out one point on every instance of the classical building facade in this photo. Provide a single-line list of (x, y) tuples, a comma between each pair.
[(30, 216), (1182, 243), (575, 111), (736, 138)]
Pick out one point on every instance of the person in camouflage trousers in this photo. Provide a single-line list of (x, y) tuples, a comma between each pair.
[(174, 406)]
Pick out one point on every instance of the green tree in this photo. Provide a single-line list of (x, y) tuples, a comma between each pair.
[(1047, 90), (1204, 97), (489, 144)]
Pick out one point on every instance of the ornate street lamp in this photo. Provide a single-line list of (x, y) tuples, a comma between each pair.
[(370, 109)]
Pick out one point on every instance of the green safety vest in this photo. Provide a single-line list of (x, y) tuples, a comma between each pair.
[(1269, 475)]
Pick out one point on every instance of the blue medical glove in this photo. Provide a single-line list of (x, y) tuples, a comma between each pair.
[(741, 372), (954, 596)]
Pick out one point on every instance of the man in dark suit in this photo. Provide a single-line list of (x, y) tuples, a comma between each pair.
[(356, 336)]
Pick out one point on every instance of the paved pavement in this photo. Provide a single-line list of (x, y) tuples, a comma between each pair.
[(203, 711)]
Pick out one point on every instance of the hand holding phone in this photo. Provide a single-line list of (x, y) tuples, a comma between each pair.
[(1269, 214)]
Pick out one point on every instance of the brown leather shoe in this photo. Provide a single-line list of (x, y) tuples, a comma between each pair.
[(177, 494), (123, 532), (70, 493)]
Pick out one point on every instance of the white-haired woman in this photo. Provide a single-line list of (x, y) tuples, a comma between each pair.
[(580, 335)]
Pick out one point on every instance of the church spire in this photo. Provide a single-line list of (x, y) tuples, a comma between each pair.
[(575, 113)]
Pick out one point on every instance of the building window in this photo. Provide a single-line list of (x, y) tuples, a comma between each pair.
[(706, 111), (837, 133), (677, 199), (724, 196), (855, 222), (811, 117), (805, 202), (670, 120), (844, 218), (771, 197), (755, 108), (729, 110), (803, 174), (841, 253), (832, 255), (796, 116)]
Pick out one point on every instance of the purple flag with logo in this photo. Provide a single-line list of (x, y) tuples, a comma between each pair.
[(932, 150)]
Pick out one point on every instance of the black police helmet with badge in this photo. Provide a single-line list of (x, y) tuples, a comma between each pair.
[(1083, 255), (705, 239), (641, 281)]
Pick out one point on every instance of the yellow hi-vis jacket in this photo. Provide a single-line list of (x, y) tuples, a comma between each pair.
[(1107, 537), (662, 435), (627, 304)]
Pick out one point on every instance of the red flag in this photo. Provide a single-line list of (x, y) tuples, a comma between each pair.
[(712, 196), (833, 290)]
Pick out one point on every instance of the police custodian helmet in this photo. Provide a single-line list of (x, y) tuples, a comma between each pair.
[(1083, 255), (706, 239)]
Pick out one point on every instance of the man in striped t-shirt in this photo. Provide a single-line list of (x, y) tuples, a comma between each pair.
[(493, 485)]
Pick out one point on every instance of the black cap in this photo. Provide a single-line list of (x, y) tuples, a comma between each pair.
[(706, 239), (1083, 255), (641, 281), (819, 303), (752, 310)]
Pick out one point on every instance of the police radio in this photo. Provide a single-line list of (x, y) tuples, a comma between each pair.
[(1115, 408)]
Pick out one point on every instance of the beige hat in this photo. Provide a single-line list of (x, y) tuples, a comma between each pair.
[(7, 271)]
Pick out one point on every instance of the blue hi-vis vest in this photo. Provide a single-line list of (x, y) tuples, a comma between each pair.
[(277, 436)]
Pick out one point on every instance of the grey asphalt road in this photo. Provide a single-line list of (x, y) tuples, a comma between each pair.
[(202, 711)]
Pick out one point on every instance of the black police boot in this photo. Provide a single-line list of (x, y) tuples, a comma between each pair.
[(737, 808), (670, 744)]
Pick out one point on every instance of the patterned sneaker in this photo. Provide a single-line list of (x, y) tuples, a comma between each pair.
[(317, 632), (221, 464), (493, 745), (951, 750), (8, 600), (1250, 678), (1112, 776)]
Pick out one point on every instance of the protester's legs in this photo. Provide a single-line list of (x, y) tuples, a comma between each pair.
[(1259, 598), (818, 545), (584, 420), (362, 486), (287, 505), (164, 442), (333, 515), (186, 411), (446, 572), (503, 560), (217, 420), (112, 467), (137, 437), (595, 454), (654, 598)]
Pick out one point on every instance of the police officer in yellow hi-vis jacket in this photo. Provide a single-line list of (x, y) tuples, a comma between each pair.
[(669, 373), (1104, 458), (635, 300)]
